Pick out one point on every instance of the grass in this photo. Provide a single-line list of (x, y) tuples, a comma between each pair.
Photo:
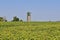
[(30, 31)]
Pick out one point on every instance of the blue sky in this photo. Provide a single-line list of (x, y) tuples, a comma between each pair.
[(41, 10)]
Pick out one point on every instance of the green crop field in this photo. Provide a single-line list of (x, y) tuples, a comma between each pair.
[(30, 31)]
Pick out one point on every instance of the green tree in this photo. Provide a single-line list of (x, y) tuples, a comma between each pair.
[(28, 13), (15, 18), (1, 19), (21, 20), (5, 20)]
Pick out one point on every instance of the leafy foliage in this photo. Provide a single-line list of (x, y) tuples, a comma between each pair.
[(15, 18), (28, 13), (1, 18), (21, 20)]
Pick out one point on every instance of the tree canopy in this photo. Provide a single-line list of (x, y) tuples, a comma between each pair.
[(28, 14), (15, 18), (1, 18)]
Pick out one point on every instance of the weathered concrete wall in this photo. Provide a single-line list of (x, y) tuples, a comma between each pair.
[(28, 18)]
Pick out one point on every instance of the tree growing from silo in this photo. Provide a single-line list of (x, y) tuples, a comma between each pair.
[(28, 16)]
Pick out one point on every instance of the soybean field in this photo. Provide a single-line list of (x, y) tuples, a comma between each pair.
[(29, 30)]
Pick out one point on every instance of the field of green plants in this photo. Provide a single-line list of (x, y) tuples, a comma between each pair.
[(30, 31)]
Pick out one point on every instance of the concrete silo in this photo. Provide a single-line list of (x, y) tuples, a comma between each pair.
[(28, 16)]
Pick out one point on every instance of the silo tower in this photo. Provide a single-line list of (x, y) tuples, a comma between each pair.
[(28, 16)]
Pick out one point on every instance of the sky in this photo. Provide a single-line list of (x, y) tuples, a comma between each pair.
[(41, 10)]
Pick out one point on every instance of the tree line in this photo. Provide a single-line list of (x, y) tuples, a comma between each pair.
[(15, 18)]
